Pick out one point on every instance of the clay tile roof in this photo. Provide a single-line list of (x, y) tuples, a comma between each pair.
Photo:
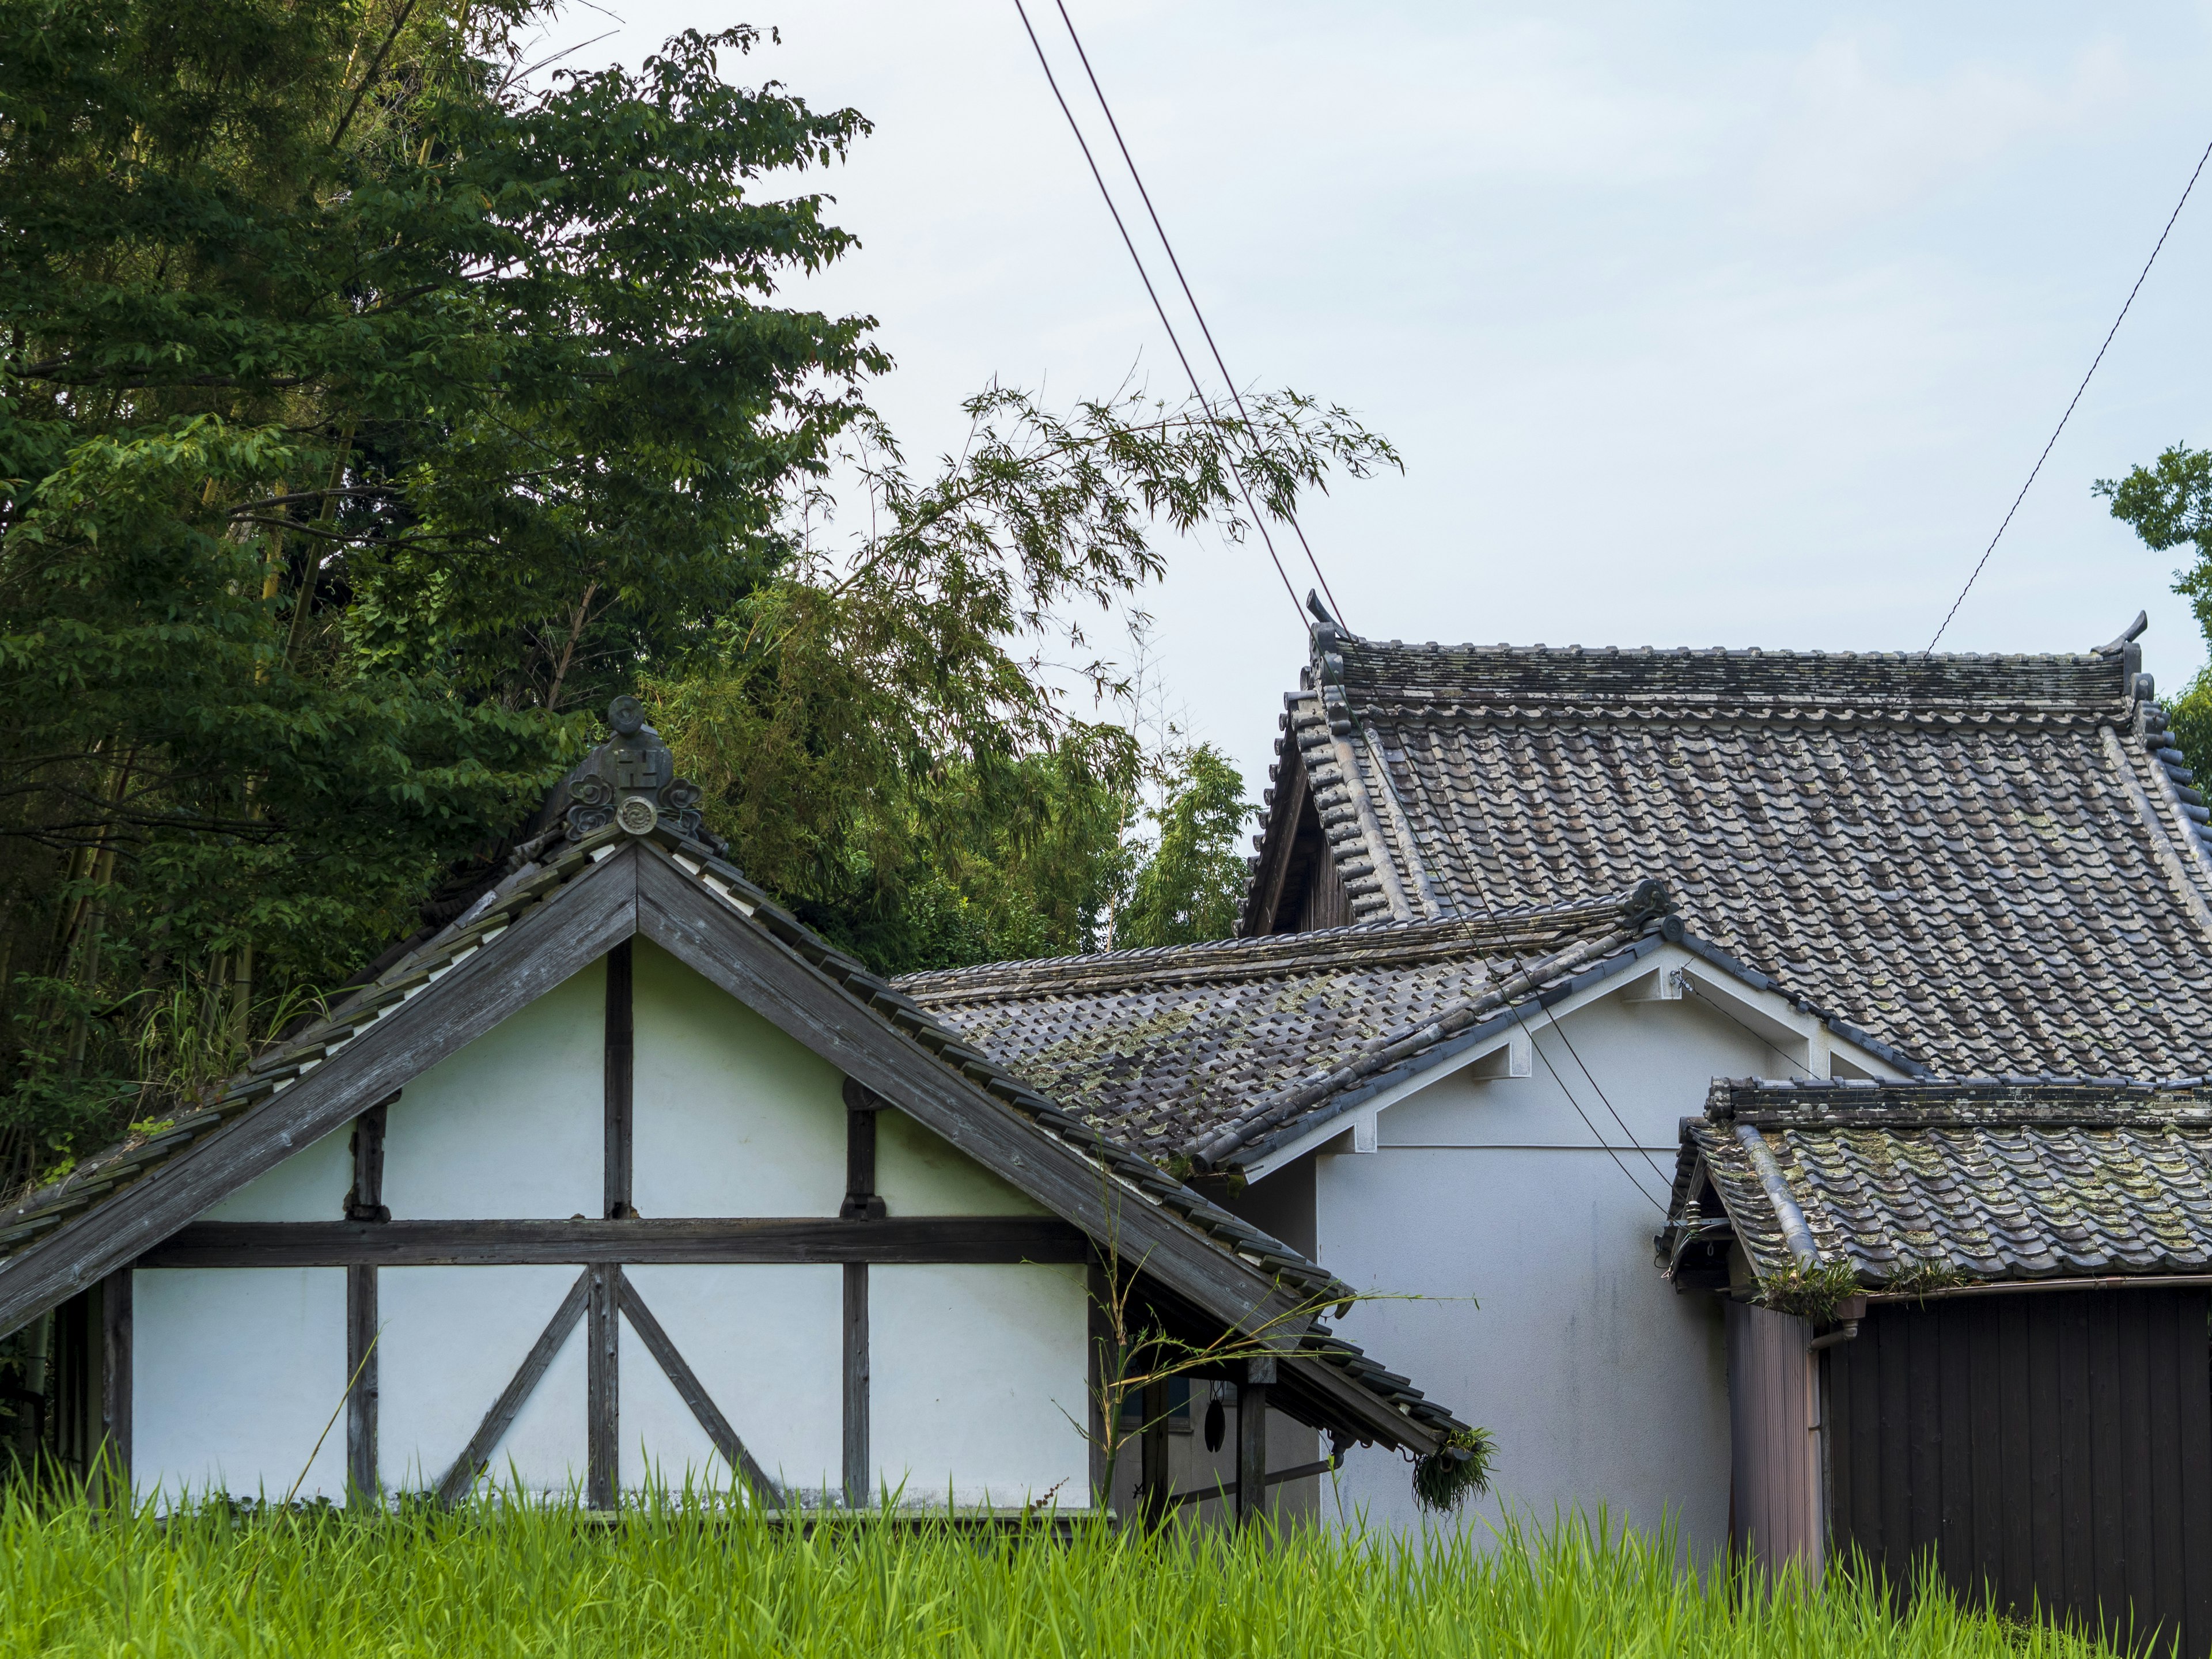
[(1922, 1184), (1201, 1051), (1989, 863)]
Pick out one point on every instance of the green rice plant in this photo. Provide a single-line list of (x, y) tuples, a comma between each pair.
[(695, 1573)]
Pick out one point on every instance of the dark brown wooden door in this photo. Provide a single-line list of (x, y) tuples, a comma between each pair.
[(2051, 1449)]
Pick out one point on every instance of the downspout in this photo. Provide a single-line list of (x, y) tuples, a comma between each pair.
[(1795, 1232)]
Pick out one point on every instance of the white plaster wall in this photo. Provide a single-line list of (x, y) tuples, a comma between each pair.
[(235, 1373), (978, 1382), (310, 1185), (766, 1345), (1604, 1387), (1653, 1061), (514, 1124), (449, 1340), (918, 1172), (730, 1116)]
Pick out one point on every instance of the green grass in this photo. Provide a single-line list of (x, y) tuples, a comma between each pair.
[(674, 1579)]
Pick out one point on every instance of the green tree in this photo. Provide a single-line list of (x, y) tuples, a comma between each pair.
[(362, 410), (872, 731), (2168, 504), (1192, 885), (371, 409)]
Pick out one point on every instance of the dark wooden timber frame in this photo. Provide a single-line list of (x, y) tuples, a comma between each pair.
[(115, 1379), (1154, 1481), (756, 1240), (638, 889), (602, 1389), (365, 1206), (476, 1456), (622, 1056), (1260, 1375), (863, 1208), (691, 1390)]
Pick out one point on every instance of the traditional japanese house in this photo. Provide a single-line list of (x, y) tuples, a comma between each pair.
[(1514, 909), (1968, 1322), (624, 1176)]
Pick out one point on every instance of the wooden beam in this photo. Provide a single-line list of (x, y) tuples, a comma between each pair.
[(1101, 1352), (859, 1474), (366, 1201), (862, 1207), (1154, 1479), (500, 1418), (621, 1052), (603, 1412), (694, 1394), (768, 1239), (361, 1395), (861, 1202), (545, 947), (1233, 1489), (116, 1394), (364, 1205), (1252, 1438)]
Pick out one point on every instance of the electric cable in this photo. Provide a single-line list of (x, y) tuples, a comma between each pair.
[(1521, 968), (1176, 264), (2078, 391), (1053, 80)]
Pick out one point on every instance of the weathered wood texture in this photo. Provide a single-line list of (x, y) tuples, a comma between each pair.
[(476, 1456), (116, 1364), (861, 1203), (1252, 1439), (364, 1205), (693, 1394), (1104, 1364), (1234, 1489), (858, 1456), (360, 1392), (766, 1239), (856, 1383), (621, 1062), (366, 1201), (2053, 1448), (544, 947), (1154, 1481), (1774, 1470), (603, 1388)]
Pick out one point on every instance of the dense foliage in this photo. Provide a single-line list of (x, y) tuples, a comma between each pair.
[(678, 1579), (2169, 503), (375, 402)]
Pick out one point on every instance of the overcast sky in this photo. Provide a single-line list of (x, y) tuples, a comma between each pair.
[(1726, 324)]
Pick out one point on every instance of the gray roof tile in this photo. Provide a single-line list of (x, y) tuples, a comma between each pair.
[(1983, 861), (1978, 1180)]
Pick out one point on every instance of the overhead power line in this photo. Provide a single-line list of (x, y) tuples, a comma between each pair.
[(2076, 398), (1182, 282), (1258, 520)]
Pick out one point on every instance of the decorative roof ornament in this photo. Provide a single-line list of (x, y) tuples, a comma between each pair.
[(630, 780)]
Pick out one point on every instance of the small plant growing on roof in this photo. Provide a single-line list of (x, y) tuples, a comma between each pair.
[(1918, 1278), (1808, 1290), (1456, 1471)]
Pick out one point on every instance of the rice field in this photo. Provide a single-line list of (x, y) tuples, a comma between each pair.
[(677, 1579)]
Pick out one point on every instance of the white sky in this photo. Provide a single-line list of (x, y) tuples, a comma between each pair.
[(1726, 324)]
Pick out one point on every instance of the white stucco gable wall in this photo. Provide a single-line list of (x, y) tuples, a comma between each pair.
[(980, 1370), (1494, 1199)]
